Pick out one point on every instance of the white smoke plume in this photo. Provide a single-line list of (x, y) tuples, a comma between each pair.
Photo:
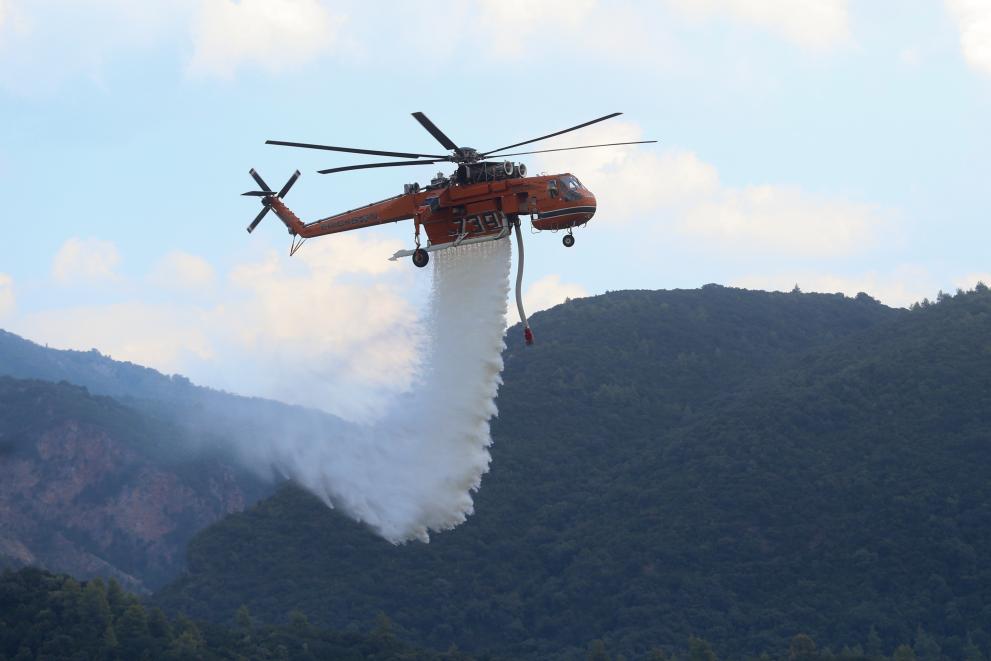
[(414, 470)]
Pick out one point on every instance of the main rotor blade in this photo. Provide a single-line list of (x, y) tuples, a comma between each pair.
[(258, 180), (434, 131), (292, 180), (544, 151), (551, 135), (365, 166), (352, 150), (258, 219)]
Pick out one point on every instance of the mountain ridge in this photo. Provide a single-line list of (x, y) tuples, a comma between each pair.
[(654, 469)]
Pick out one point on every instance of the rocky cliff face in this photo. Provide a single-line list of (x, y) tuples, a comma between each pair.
[(93, 488)]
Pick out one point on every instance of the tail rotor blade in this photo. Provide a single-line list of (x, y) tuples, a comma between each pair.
[(257, 193), (261, 182), (258, 219), (292, 180)]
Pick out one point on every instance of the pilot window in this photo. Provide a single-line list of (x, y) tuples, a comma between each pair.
[(571, 182), (552, 187), (572, 188)]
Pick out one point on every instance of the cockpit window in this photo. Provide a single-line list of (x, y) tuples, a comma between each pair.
[(571, 188), (570, 182)]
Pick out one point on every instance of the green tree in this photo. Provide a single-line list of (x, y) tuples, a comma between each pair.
[(925, 647), (874, 646), (132, 632), (700, 650), (109, 641), (903, 653), (299, 624), (94, 608), (117, 599), (383, 629), (972, 652), (188, 642), (158, 626), (802, 648), (597, 651), (244, 622)]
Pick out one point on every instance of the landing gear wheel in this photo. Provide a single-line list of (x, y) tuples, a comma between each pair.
[(568, 240), (420, 257)]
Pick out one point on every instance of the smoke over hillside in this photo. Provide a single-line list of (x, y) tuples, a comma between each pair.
[(410, 472), (414, 469)]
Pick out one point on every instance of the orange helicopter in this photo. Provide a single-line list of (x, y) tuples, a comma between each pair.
[(481, 201)]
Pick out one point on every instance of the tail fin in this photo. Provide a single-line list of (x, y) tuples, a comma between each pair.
[(267, 195)]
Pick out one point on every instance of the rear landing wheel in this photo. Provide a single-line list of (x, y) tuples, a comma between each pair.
[(420, 257), (568, 240)]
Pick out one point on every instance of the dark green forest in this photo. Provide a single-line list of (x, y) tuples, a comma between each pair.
[(739, 466), (695, 474), (55, 617), (47, 616)]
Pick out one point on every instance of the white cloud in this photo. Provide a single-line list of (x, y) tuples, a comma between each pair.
[(677, 191), (783, 219), (43, 44), (183, 270), (899, 287), (550, 291), (558, 32), (968, 281), (85, 260), (313, 316), (161, 336), (329, 328), (812, 24), (545, 19), (7, 300), (911, 56), (973, 18), (271, 34)]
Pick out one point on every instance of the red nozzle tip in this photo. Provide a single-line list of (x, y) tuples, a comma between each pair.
[(528, 335)]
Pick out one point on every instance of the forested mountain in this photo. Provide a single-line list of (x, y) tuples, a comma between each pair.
[(739, 466), (107, 487), (44, 616), (96, 488), (204, 415)]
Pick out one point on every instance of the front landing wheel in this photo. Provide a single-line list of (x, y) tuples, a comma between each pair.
[(420, 257), (568, 240)]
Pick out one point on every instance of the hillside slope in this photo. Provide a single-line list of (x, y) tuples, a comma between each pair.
[(101, 487), (207, 417), (56, 617), (736, 465), (96, 488)]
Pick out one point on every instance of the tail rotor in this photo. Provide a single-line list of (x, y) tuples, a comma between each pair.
[(266, 194)]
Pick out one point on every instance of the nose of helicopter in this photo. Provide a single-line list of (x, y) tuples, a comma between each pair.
[(590, 202), (569, 213)]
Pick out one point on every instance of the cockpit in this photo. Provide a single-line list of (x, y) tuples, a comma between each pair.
[(570, 188), (570, 182)]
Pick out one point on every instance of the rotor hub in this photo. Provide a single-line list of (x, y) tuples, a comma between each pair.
[(466, 155)]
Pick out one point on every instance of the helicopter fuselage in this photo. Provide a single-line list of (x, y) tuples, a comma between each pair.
[(453, 213)]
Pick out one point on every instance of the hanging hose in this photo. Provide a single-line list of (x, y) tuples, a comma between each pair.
[(527, 333)]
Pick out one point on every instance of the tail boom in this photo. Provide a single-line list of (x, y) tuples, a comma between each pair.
[(286, 215)]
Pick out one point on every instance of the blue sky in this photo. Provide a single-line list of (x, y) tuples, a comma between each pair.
[(839, 145)]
